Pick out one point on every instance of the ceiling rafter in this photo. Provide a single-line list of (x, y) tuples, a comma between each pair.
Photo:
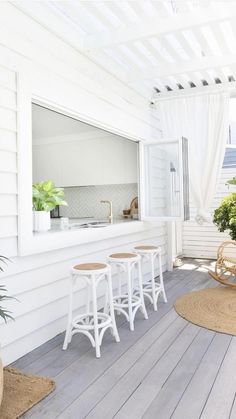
[(198, 64), (157, 27), (147, 44)]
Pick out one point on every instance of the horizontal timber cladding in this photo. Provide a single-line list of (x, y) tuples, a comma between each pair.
[(8, 162), (202, 241), (59, 74)]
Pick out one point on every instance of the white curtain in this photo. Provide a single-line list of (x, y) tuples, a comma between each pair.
[(204, 120)]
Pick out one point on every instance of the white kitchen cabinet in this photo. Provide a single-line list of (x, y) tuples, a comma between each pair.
[(47, 163), (97, 161)]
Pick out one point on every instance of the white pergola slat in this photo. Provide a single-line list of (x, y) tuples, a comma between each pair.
[(149, 45), (158, 27), (185, 45), (166, 70)]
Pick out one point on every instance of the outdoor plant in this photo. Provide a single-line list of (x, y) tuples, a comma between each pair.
[(232, 181), (46, 196), (225, 215), (5, 314)]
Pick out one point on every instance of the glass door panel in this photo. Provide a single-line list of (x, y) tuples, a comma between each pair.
[(164, 180)]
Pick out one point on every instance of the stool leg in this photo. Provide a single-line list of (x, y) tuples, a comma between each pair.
[(140, 281), (161, 279), (119, 272), (95, 317), (112, 314), (69, 320), (88, 302), (130, 292), (153, 283), (106, 303)]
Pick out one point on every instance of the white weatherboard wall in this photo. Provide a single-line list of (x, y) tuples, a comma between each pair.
[(8, 162), (202, 241), (59, 75)]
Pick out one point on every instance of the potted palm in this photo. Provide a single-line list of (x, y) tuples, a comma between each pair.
[(225, 214), (5, 315), (45, 198)]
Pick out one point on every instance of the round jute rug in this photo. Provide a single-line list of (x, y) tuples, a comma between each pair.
[(212, 308)]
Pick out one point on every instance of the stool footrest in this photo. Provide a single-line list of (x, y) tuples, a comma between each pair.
[(85, 321), (121, 301), (148, 287)]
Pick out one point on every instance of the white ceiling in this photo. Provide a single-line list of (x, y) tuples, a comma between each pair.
[(47, 124), (148, 44)]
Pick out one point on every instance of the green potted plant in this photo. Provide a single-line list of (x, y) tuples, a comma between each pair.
[(5, 315), (45, 198), (225, 215)]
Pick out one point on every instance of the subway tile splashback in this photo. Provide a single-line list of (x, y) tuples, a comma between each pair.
[(84, 201)]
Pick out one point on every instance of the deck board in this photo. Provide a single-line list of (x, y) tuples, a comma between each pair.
[(166, 368)]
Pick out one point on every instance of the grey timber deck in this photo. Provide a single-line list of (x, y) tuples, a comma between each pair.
[(166, 368)]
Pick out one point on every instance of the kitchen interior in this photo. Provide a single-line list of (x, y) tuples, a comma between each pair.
[(97, 169)]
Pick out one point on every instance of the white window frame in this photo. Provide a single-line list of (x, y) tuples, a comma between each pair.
[(30, 242), (142, 181)]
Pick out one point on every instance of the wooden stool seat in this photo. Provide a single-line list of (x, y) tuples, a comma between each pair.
[(123, 255), (90, 266), (146, 248)]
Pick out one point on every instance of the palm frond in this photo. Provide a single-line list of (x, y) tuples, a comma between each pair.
[(5, 314)]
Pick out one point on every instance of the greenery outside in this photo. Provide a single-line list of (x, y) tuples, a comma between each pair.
[(5, 314), (225, 215)]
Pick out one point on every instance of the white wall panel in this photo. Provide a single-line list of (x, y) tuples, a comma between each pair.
[(8, 183), (8, 78), (7, 98), (7, 140), (8, 161), (58, 74), (7, 119), (203, 241), (8, 246), (8, 205), (8, 226)]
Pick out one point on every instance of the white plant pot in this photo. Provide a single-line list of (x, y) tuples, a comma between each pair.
[(42, 221)]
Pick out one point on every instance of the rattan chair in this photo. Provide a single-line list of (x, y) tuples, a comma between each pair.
[(225, 268)]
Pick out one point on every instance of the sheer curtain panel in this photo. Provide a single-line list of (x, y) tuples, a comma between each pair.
[(204, 120)]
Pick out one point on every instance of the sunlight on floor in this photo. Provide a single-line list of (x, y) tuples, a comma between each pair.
[(188, 267)]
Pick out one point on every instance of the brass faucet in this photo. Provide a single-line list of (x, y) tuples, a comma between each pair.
[(110, 217)]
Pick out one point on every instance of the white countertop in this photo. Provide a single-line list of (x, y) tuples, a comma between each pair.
[(77, 223), (58, 239)]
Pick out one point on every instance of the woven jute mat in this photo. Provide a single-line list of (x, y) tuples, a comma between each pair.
[(212, 308), (21, 392)]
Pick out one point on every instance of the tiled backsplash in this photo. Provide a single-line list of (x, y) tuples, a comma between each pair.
[(84, 201)]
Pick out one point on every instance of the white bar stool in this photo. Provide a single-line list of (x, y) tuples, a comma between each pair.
[(93, 323), (151, 288), (129, 303)]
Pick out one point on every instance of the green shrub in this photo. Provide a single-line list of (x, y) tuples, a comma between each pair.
[(232, 181), (225, 215)]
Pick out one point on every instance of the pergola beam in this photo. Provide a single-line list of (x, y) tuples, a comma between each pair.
[(158, 27), (166, 70)]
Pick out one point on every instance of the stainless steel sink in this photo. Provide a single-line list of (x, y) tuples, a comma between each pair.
[(93, 224), (77, 225), (97, 223)]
